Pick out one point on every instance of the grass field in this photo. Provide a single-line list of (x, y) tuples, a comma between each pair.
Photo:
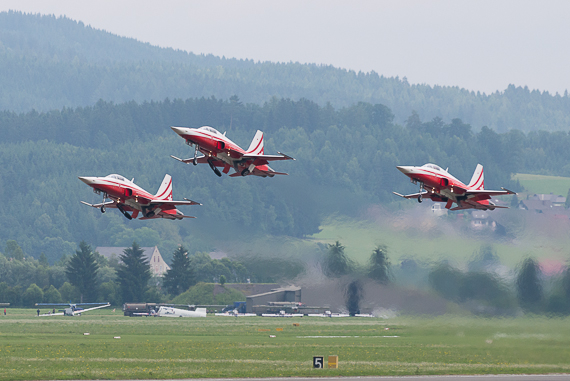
[(543, 184), (56, 348)]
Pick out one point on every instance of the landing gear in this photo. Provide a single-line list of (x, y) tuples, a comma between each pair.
[(245, 172), (103, 209), (420, 197), (195, 159), (214, 168)]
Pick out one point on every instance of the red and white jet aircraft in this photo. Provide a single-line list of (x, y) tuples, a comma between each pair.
[(129, 197), (219, 151), (438, 185)]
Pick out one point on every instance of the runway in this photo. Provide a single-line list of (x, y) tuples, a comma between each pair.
[(486, 377)]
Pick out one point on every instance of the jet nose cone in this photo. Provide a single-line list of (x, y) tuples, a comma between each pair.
[(180, 130), (404, 169), (87, 180)]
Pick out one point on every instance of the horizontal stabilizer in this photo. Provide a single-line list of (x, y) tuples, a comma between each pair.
[(199, 159), (413, 195), (106, 203)]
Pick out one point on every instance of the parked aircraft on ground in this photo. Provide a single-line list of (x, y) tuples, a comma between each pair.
[(177, 312), (129, 197), (440, 186), (74, 309), (219, 151)]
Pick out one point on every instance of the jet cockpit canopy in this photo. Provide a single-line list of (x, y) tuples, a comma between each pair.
[(433, 166), (116, 177), (210, 129)]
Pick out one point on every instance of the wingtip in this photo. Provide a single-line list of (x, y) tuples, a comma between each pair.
[(287, 156)]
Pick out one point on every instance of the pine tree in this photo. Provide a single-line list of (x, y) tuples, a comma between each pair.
[(133, 274), (181, 276), (82, 270), (528, 286), (379, 269), (336, 263)]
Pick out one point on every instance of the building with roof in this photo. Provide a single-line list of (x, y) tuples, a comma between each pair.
[(545, 204), (158, 266)]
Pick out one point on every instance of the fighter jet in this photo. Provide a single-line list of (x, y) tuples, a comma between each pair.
[(440, 186), (128, 197), (219, 151)]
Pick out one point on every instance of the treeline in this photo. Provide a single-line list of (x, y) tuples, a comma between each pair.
[(87, 276), (485, 287), (47, 63), (346, 161)]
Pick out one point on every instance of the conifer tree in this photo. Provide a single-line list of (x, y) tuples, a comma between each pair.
[(379, 268), (82, 270), (133, 274), (181, 276), (529, 287), (336, 263)]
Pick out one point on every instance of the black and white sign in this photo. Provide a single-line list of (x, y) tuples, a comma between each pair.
[(318, 362)]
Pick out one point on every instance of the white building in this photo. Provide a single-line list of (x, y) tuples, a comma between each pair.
[(157, 265)]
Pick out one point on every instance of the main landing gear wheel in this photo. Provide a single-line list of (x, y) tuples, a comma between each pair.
[(420, 198), (245, 172), (103, 209), (195, 161)]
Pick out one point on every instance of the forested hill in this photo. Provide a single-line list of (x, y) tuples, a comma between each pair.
[(346, 162), (47, 63)]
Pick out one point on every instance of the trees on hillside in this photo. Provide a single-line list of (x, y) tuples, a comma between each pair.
[(82, 272), (133, 274), (181, 275)]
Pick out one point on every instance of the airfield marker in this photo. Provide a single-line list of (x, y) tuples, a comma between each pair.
[(318, 362), (333, 362)]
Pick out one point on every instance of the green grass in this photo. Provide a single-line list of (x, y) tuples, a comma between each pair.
[(543, 184), (55, 348)]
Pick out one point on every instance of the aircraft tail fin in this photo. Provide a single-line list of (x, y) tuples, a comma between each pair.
[(256, 146), (165, 190), (478, 180)]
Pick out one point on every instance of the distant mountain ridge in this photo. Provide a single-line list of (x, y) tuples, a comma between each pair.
[(48, 63)]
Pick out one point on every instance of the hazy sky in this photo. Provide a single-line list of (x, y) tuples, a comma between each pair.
[(479, 45)]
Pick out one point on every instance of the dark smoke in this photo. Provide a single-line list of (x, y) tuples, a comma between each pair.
[(353, 295)]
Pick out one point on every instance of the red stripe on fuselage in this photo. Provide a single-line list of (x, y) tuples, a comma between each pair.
[(206, 144)]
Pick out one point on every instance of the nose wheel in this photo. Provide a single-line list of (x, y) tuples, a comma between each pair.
[(195, 159), (103, 209)]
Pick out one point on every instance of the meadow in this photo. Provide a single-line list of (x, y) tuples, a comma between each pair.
[(543, 184), (150, 348)]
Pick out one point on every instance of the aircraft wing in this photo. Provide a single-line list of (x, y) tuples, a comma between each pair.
[(110, 204), (167, 202), (264, 159), (486, 192), (90, 309)]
